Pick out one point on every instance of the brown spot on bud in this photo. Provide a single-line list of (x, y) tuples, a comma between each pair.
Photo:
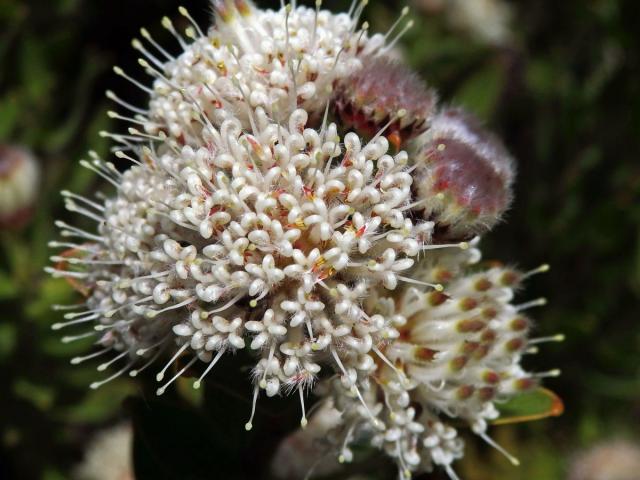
[(486, 393), (515, 344), (465, 391), (483, 284), (488, 336), (424, 354), (458, 363), (519, 324), (524, 384), (470, 325), (436, 298), (467, 304), (371, 97), (489, 313), (442, 275), (464, 176), (469, 347), (490, 377), (481, 352), (509, 278)]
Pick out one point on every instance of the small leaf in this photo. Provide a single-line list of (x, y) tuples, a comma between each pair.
[(535, 405)]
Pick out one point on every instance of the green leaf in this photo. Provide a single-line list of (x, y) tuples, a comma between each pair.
[(534, 405)]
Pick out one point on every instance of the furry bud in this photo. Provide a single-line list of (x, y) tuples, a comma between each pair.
[(463, 176), (368, 99)]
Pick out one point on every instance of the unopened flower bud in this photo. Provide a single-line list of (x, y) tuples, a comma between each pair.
[(19, 174), (374, 96), (463, 176)]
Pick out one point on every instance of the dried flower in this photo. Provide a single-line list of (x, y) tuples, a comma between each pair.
[(19, 177)]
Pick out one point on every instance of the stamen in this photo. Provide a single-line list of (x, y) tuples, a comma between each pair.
[(450, 472), (437, 286), (229, 304), (118, 71), (401, 375), (168, 24), (161, 373), (75, 231), (560, 337), (185, 13), (134, 373), (392, 44), (539, 302), (79, 360), (73, 338), (145, 34), (137, 45), (556, 372), (102, 367), (541, 269), (96, 385), (490, 441), (95, 169), (403, 13), (112, 96), (155, 313), (303, 420), (356, 390), (198, 382), (399, 115), (162, 389), (64, 273), (146, 122), (249, 425)]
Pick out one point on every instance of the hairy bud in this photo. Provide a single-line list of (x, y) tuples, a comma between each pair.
[(371, 98), (463, 176)]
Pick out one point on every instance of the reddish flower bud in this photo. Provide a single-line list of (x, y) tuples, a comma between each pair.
[(19, 173), (384, 91), (463, 176)]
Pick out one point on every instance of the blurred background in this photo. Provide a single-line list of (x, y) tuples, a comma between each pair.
[(558, 80)]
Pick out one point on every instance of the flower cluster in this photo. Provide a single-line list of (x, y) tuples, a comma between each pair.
[(251, 218)]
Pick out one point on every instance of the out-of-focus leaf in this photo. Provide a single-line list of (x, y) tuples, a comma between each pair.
[(535, 405), (7, 339), (9, 109), (99, 404), (480, 93), (40, 396), (52, 291), (8, 288)]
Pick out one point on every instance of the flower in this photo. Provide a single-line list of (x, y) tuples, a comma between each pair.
[(19, 178), (108, 456), (614, 459), (457, 355), (248, 219)]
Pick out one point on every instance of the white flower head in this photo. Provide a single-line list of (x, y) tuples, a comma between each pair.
[(249, 220)]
